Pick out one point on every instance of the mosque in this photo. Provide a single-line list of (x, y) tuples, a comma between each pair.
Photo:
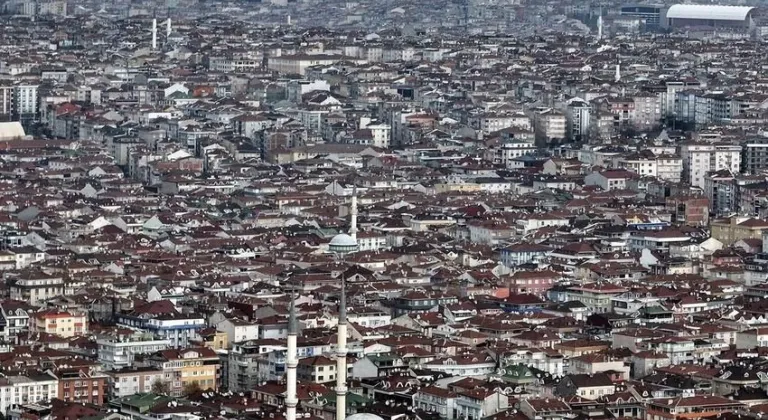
[(341, 244)]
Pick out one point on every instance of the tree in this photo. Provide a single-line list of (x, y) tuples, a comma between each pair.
[(192, 388), (160, 387)]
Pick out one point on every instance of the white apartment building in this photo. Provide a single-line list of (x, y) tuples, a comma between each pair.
[(490, 122), (26, 99), (36, 289), (131, 381), (116, 353), (578, 116), (669, 168), (549, 125), (381, 134), (647, 111), (298, 64), (641, 165), (701, 158), (297, 88), (463, 366), (508, 151), (666, 167), (238, 330), (630, 303), (19, 390)]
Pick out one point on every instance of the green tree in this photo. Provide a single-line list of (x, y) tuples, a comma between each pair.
[(161, 387), (192, 388)]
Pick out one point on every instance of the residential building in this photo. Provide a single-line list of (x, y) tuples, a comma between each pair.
[(188, 367)]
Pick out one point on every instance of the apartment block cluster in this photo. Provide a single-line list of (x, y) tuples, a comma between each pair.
[(207, 218)]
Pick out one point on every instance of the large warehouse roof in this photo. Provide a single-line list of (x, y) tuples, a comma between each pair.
[(706, 11)]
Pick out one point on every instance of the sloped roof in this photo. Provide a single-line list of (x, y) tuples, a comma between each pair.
[(707, 11), (11, 130)]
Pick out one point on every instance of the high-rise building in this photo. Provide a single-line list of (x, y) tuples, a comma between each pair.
[(701, 158), (26, 104), (755, 155)]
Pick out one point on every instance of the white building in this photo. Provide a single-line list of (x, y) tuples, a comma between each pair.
[(578, 119), (701, 158), (26, 100), (238, 330), (750, 339), (639, 164), (549, 125), (36, 289), (19, 390), (380, 132), (463, 365), (116, 353)]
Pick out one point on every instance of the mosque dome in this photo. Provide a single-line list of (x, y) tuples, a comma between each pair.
[(343, 243), (364, 416)]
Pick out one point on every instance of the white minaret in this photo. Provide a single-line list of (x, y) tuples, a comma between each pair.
[(600, 27), (291, 362), (341, 354), (353, 215), (168, 28), (154, 34), (618, 71), (289, 20)]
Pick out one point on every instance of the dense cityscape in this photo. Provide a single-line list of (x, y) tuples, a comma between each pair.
[(392, 210)]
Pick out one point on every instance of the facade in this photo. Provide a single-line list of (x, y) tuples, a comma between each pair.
[(755, 159), (133, 380), (178, 329), (81, 385), (61, 323), (316, 369), (36, 288), (26, 102), (188, 367), (549, 126), (120, 353), (578, 114), (18, 390), (700, 159)]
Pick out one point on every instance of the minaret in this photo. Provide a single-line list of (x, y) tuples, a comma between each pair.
[(618, 71), (353, 214), (600, 27), (341, 355), (291, 362), (168, 28), (154, 34)]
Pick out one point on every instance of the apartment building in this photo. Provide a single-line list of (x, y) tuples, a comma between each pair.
[(62, 323), (120, 352), (27, 389), (183, 368), (549, 125), (702, 158), (578, 119), (82, 385), (317, 369), (755, 155), (36, 287)]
